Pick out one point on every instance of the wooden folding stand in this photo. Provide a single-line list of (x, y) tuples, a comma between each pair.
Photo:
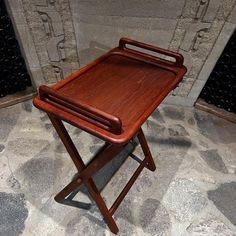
[(111, 98)]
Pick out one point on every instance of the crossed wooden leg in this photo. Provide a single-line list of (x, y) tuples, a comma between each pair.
[(85, 172)]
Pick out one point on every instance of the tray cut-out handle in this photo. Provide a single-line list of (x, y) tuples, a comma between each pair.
[(126, 41), (83, 111)]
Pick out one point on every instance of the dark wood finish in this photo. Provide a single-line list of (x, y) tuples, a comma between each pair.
[(89, 183), (110, 98), (83, 111), (116, 93), (147, 162), (178, 57)]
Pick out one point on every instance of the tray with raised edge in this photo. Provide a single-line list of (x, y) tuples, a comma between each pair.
[(114, 95)]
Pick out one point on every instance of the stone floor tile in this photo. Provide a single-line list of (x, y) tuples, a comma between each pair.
[(195, 158)]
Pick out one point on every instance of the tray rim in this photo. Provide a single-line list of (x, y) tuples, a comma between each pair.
[(124, 137)]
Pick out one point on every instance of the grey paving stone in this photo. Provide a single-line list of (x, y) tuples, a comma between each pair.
[(14, 183), (97, 140), (77, 131), (154, 218), (172, 142), (177, 130), (48, 126), (154, 127), (38, 175), (85, 225), (205, 126), (144, 181), (157, 116), (45, 168), (214, 160), (174, 113), (8, 119), (184, 199), (93, 149), (210, 227), (125, 219), (44, 117), (203, 144), (167, 167), (105, 174), (2, 147), (27, 106), (60, 148), (191, 121), (13, 213), (214, 128), (26, 146), (224, 197)]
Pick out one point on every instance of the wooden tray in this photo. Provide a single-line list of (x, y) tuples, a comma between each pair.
[(113, 96)]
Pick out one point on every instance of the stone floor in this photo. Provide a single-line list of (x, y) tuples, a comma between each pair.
[(192, 192)]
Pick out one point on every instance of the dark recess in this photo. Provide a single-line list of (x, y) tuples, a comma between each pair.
[(220, 88), (13, 73)]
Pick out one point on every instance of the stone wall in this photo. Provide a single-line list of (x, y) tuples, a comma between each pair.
[(46, 33), (63, 31)]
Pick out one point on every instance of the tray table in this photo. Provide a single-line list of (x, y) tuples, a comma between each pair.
[(111, 98)]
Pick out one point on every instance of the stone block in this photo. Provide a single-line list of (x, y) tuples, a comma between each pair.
[(102, 7), (99, 36), (152, 8), (26, 147), (196, 89), (214, 160), (232, 16), (2, 147), (190, 9), (213, 128), (14, 5), (178, 100), (185, 87), (190, 34), (52, 48), (177, 131), (184, 199), (13, 213), (49, 75), (226, 8), (27, 44), (133, 8), (212, 58), (209, 226), (54, 19), (174, 114), (119, 7), (205, 11), (19, 17), (37, 77), (211, 11), (42, 55), (154, 218), (41, 2), (8, 120), (224, 199)]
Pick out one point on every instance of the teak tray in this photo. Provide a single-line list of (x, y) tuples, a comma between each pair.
[(113, 96), (110, 98)]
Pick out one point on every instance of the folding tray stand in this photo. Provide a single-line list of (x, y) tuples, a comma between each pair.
[(111, 98)]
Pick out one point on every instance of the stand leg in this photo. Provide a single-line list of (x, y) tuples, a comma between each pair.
[(142, 140), (76, 158), (84, 176)]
